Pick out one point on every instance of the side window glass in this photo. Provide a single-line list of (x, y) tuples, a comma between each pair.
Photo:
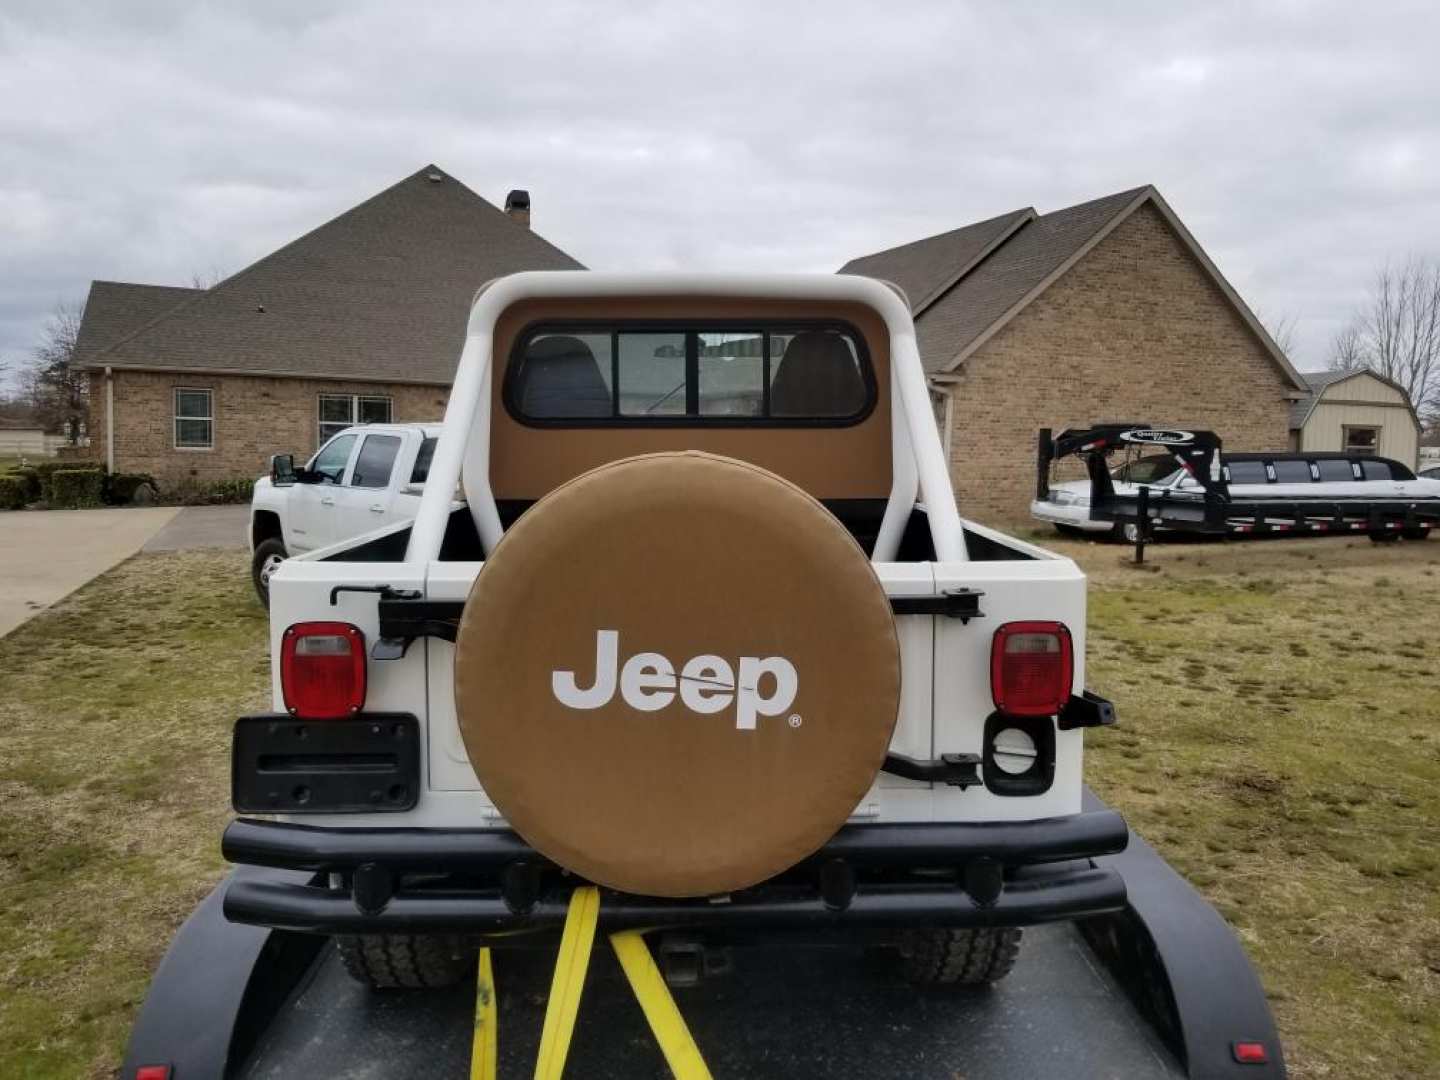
[(330, 462), (1333, 470), (421, 472), (1246, 472), (376, 459), (1292, 472), (1375, 470)]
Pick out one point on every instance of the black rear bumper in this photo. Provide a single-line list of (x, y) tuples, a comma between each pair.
[(871, 877)]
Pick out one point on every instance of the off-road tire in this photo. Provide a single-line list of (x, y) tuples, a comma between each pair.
[(959, 957), (405, 962), (264, 552)]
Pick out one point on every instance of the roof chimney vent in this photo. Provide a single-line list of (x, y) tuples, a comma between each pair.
[(434, 176), (517, 205)]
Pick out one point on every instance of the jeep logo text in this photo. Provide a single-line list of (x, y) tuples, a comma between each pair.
[(706, 684)]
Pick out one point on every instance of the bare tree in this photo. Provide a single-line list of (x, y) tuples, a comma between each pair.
[(207, 279), (1281, 331), (58, 391), (1347, 353), (1397, 332)]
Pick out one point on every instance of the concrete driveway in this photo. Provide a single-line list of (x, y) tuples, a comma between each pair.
[(46, 555)]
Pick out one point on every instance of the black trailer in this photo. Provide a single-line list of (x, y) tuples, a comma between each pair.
[(1158, 987), (1213, 509)]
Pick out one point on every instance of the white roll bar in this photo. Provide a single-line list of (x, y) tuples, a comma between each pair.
[(918, 460)]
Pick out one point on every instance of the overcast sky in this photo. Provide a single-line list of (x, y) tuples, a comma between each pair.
[(153, 141)]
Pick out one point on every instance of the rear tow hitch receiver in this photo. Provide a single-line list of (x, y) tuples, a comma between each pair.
[(685, 960)]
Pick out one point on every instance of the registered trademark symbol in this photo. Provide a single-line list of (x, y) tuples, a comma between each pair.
[(794, 719)]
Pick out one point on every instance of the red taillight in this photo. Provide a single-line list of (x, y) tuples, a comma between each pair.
[(153, 1072), (1250, 1053), (322, 670), (1031, 668)]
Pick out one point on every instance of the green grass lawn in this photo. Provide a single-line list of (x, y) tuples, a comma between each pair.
[(114, 786), (1279, 742)]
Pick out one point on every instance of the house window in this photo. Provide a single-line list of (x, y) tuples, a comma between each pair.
[(339, 411), (1361, 440), (194, 419)]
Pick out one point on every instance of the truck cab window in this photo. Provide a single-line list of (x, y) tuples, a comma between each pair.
[(426, 454), (330, 462), (375, 461)]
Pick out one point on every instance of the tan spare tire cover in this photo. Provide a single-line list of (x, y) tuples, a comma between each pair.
[(641, 593)]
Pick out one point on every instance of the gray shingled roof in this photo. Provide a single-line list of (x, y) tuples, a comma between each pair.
[(1317, 381), (960, 311), (115, 309), (381, 292), (926, 268), (1007, 276)]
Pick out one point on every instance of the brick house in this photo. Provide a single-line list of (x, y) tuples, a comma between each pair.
[(360, 320), (1106, 311)]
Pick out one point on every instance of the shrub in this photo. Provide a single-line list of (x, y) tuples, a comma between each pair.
[(48, 469), (28, 479), (76, 488), (12, 493), (239, 490), (120, 488)]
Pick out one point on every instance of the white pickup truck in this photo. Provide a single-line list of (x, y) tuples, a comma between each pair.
[(363, 478), (707, 631)]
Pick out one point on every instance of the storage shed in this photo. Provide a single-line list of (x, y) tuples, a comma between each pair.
[(1357, 411)]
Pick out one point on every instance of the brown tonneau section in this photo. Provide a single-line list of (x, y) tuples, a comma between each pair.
[(828, 462)]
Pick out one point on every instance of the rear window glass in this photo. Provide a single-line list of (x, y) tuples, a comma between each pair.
[(421, 472), (1334, 469), (776, 375), (1376, 470), (1246, 472), (1292, 472)]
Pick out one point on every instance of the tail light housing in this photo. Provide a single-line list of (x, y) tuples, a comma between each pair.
[(322, 670), (1031, 668)]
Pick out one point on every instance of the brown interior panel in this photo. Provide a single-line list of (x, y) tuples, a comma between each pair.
[(851, 462)]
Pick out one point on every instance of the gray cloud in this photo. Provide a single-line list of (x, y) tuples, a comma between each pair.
[(152, 140)]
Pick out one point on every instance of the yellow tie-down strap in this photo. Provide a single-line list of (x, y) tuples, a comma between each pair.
[(576, 943), (676, 1042), (485, 1046)]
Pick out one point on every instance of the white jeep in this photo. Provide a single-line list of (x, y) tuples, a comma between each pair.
[(363, 478), (707, 631)]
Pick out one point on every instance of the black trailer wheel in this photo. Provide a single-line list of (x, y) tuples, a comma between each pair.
[(269, 554), (972, 957), (1384, 536), (405, 962), (1419, 532)]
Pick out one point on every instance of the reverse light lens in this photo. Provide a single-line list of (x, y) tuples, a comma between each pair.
[(1031, 668), (322, 670)]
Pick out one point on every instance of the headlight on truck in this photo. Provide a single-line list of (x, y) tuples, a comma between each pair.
[(322, 670)]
